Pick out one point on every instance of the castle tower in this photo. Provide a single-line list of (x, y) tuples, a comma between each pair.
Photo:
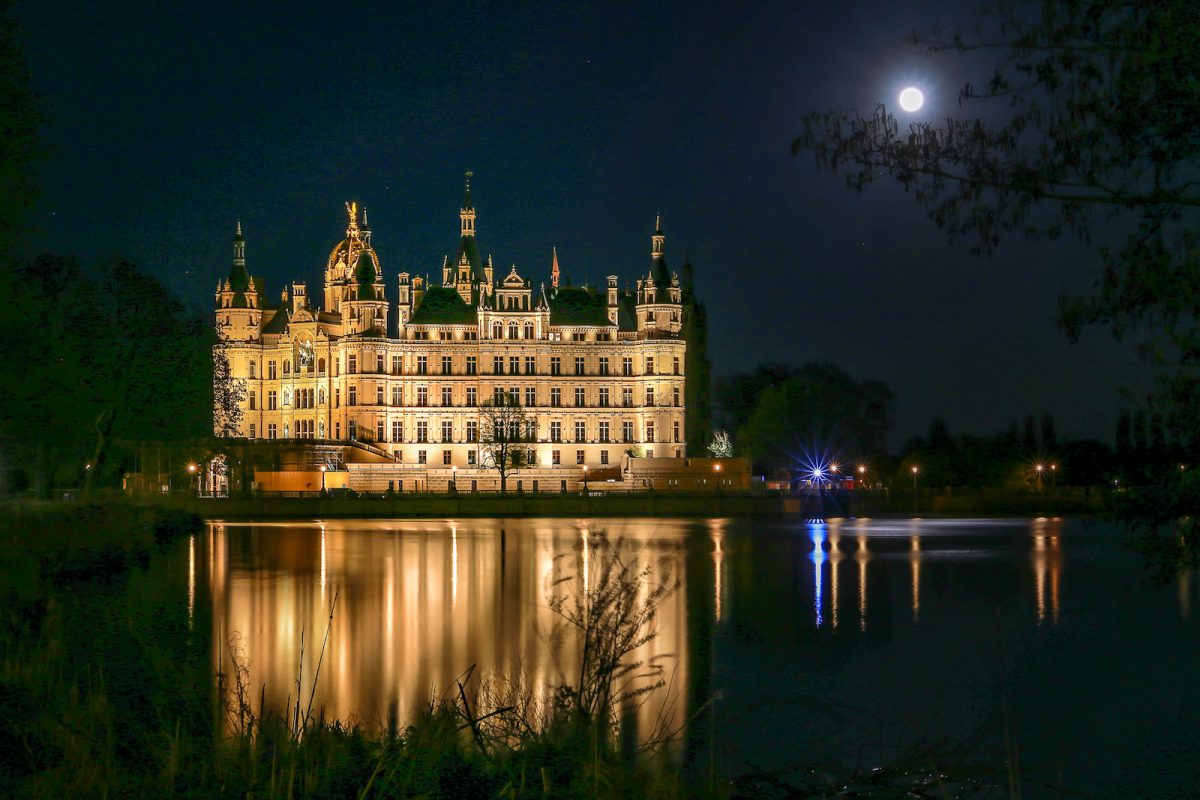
[(359, 279), (238, 311), (659, 295), (554, 267), (467, 269)]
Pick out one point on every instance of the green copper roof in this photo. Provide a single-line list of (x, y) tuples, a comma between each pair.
[(627, 312), (443, 306), (364, 274), (278, 322), (469, 246), (569, 306), (662, 279)]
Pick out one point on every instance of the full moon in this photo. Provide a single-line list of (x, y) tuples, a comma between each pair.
[(911, 99)]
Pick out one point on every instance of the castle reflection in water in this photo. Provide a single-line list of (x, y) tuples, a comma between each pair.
[(415, 604), (418, 603)]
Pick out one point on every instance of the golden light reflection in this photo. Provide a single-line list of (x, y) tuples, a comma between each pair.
[(1047, 564), (717, 534), (914, 559), (1185, 594), (835, 558), (453, 566), (191, 579), (420, 602)]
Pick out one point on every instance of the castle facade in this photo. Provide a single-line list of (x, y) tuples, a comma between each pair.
[(397, 376)]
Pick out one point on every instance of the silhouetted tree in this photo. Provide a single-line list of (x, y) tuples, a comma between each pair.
[(1095, 135), (1049, 434), (228, 395), (698, 387), (1029, 438), (818, 412), (20, 118), (504, 436)]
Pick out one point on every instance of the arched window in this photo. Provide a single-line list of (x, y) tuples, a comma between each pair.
[(252, 369), (528, 330), (287, 366), (512, 330), (321, 365), (497, 331)]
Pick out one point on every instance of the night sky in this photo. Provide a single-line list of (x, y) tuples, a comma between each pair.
[(170, 121)]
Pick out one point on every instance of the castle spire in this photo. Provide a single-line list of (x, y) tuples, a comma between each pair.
[(554, 267), (466, 214), (657, 240), (239, 247)]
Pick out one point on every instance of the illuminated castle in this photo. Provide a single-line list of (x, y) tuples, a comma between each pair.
[(398, 380)]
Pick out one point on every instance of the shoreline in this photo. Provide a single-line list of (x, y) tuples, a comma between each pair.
[(960, 505)]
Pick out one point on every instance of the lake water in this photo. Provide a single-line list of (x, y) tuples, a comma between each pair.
[(842, 643)]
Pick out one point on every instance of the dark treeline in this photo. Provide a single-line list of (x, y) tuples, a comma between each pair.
[(788, 419), (101, 357)]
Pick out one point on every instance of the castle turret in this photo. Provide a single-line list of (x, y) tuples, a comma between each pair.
[(354, 280), (658, 294), (237, 308)]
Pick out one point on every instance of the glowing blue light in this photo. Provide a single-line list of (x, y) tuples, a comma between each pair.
[(818, 557)]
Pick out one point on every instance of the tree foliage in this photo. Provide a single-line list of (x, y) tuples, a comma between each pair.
[(505, 435), (107, 357), (1087, 126), (818, 411), (228, 395)]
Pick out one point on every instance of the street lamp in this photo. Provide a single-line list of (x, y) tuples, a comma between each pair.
[(322, 477), (915, 470), (454, 477), (1039, 469), (585, 486), (192, 471)]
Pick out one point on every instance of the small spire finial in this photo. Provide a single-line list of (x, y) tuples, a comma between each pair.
[(658, 223), (239, 227), (554, 267)]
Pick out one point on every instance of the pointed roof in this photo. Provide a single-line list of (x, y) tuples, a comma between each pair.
[(467, 192), (554, 267)]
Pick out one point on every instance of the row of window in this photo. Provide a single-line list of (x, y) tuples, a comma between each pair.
[(305, 429), (512, 365), (311, 398)]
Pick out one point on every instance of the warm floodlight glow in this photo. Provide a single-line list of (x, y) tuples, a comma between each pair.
[(911, 99), (861, 469), (915, 469)]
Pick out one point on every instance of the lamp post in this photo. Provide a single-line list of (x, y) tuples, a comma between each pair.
[(322, 479), (1054, 476), (454, 477), (585, 486), (862, 475), (915, 470), (192, 472), (1039, 469)]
